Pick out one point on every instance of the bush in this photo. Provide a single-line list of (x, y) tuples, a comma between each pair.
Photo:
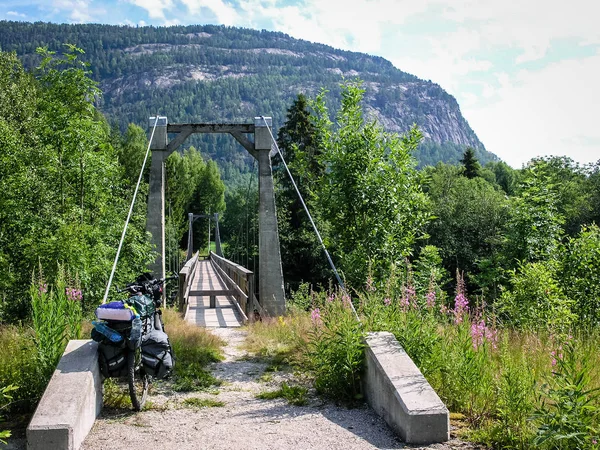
[(581, 275), (536, 299), (336, 350)]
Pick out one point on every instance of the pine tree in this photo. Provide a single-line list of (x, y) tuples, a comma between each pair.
[(471, 165)]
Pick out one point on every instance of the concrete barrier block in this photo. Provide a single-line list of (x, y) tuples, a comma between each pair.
[(71, 402), (400, 394)]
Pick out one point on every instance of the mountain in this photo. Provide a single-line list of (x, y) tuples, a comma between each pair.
[(216, 73)]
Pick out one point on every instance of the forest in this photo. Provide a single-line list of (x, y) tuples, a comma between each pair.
[(216, 73), (489, 276)]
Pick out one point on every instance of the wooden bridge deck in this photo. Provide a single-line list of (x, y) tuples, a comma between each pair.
[(199, 312)]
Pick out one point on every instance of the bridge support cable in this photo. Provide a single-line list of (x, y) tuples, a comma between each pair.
[(137, 187), (312, 222)]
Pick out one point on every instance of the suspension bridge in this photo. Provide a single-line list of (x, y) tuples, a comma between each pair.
[(217, 293)]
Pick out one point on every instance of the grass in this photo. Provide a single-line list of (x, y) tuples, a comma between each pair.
[(195, 402), (295, 395), (498, 393), (280, 340), (194, 348)]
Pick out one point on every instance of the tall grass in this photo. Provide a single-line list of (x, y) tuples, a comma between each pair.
[(516, 389), (194, 348)]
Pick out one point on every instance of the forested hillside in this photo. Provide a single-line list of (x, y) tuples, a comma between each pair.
[(215, 73)]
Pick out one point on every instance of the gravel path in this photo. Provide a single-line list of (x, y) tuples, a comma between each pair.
[(244, 422)]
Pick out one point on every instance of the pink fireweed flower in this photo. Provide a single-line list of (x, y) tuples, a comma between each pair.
[(387, 301), (315, 315), (404, 302), (480, 332), (370, 287), (43, 288), (331, 298), (74, 295), (477, 332), (461, 306), (430, 300), (346, 300)]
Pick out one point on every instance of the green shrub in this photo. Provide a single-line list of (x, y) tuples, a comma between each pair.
[(569, 412), (336, 350), (536, 299), (580, 276), (295, 395)]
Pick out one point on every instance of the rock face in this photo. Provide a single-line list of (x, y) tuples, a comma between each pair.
[(213, 73)]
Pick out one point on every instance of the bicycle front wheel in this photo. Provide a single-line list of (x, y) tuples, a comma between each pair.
[(137, 378)]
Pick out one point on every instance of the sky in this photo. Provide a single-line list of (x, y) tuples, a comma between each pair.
[(526, 73)]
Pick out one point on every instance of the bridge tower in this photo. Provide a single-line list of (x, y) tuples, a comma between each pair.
[(270, 280)]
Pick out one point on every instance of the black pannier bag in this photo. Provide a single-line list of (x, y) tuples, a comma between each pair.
[(112, 360), (111, 357), (157, 356)]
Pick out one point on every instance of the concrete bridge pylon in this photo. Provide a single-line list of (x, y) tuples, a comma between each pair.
[(270, 276)]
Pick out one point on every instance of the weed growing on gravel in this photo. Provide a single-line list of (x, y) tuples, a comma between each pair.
[(116, 395), (195, 402), (194, 348), (192, 377), (295, 395)]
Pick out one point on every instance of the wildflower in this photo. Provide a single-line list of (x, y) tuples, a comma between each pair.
[(74, 295), (370, 287), (478, 333), (461, 306), (346, 300), (331, 298), (430, 299), (315, 315), (405, 302), (387, 301), (43, 288)]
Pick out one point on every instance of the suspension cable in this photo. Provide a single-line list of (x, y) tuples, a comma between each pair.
[(337, 275), (112, 273)]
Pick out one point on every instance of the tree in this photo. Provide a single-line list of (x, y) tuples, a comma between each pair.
[(471, 166), (301, 255), (469, 218), (63, 198), (370, 194), (534, 227)]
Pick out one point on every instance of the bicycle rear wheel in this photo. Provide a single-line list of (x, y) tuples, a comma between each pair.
[(137, 378)]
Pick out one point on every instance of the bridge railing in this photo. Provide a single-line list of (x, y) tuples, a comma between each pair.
[(186, 278), (240, 280)]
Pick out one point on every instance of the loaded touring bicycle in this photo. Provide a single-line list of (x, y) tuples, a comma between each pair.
[(132, 340)]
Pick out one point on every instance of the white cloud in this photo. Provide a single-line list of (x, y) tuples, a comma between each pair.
[(154, 8), (224, 13), (547, 112), (15, 14)]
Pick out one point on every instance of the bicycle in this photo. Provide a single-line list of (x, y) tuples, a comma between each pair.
[(126, 325)]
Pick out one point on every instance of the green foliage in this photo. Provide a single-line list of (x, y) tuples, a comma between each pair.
[(5, 396), (195, 402), (471, 167), (580, 275), (295, 395), (301, 254), (194, 186), (569, 409), (535, 224), (62, 193), (370, 195), (56, 317), (536, 299), (336, 350), (469, 218)]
